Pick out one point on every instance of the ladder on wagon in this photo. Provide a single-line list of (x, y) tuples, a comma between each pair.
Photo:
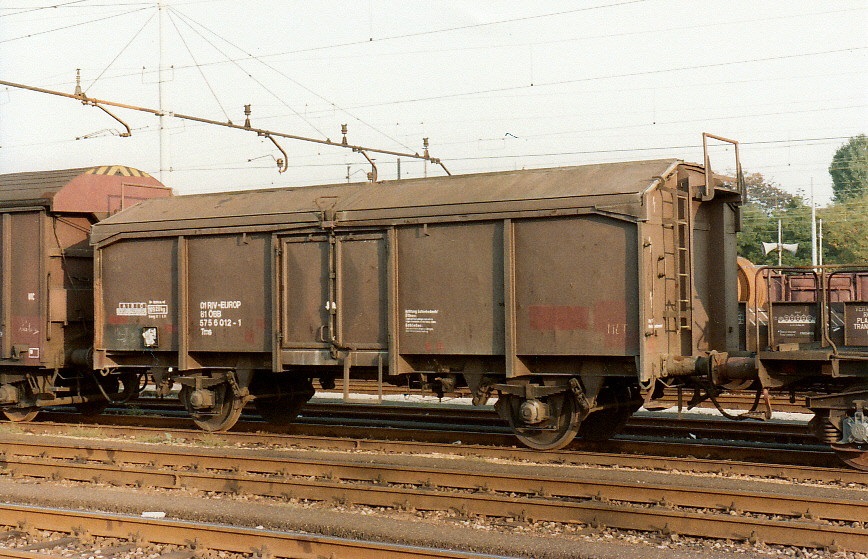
[(677, 207)]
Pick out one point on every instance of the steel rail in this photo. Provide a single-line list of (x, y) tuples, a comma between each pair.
[(739, 401), (12, 554), (661, 442), (638, 454), (433, 416), (242, 472), (662, 514), (213, 536)]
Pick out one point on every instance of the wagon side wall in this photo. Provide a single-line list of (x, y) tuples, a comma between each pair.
[(46, 297)]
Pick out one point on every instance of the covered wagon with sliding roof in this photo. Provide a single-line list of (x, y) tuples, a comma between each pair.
[(46, 282), (561, 290)]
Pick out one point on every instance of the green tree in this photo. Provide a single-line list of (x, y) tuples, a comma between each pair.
[(844, 231), (767, 202), (849, 169), (767, 196)]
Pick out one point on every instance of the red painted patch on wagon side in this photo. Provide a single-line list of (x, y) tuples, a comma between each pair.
[(115, 320), (556, 317), (610, 319)]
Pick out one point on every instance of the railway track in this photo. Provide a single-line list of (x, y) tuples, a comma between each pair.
[(111, 534), (440, 417), (732, 400), (686, 505), (665, 435), (802, 464)]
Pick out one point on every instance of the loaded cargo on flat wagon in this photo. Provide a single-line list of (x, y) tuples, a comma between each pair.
[(573, 295)]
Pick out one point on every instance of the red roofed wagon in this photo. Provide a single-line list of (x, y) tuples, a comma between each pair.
[(46, 273)]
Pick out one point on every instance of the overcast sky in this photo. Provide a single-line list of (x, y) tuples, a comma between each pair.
[(495, 85)]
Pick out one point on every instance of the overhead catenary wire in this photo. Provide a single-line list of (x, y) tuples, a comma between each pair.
[(198, 66), (512, 44), (40, 8), (585, 109), (251, 76), (269, 134), (371, 40), (294, 81), (614, 76), (125, 47), (70, 26)]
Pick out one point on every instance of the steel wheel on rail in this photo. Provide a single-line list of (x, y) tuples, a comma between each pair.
[(284, 407), (278, 412), (21, 415), (95, 407), (855, 456), (547, 423), (855, 429), (219, 416), (619, 401)]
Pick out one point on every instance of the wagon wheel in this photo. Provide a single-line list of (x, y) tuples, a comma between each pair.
[(94, 408), (853, 455), (602, 425), (279, 411), (225, 413), (91, 409), (21, 415), (283, 409), (556, 431)]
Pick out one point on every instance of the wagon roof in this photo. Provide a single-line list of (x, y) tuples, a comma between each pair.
[(601, 185), (100, 189)]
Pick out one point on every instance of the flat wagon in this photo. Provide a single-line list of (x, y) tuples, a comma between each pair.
[(808, 327)]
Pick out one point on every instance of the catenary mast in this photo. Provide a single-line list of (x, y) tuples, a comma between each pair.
[(161, 86)]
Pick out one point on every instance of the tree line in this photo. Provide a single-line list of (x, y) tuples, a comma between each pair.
[(845, 220)]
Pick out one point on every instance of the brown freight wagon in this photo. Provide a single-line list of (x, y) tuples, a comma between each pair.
[(46, 283), (562, 290), (809, 329)]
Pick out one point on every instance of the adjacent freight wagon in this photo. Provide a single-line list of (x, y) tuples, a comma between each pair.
[(562, 290), (808, 327), (46, 273), (573, 294)]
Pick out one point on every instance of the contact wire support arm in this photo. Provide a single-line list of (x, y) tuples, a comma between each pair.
[(271, 134), (282, 163), (372, 176), (126, 134)]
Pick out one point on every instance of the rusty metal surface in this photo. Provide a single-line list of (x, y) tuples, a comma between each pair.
[(384, 483), (450, 289), (807, 465), (210, 536), (362, 292), (568, 303), (305, 269), (23, 286), (549, 494), (46, 270), (616, 184), (131, 299), (811, 309), (523, 270), (227, 309), (856, 324), (105, 189)]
